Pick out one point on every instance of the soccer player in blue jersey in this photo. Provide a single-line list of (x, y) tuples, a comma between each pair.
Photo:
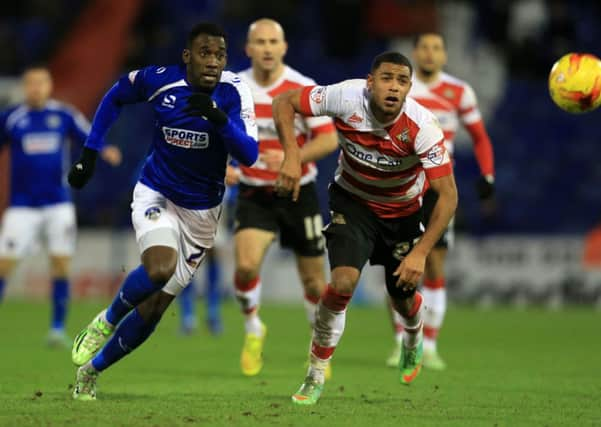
[(202, 116), (38, 132)]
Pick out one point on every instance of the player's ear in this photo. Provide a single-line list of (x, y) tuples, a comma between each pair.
[(247, 49), (186, 56), (370, 81), (285, 47)]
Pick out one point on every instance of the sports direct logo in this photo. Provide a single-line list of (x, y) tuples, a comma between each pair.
[(186, 138)]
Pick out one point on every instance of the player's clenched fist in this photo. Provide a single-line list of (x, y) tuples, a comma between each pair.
[(83, 169), (289, 178), (202, 105)]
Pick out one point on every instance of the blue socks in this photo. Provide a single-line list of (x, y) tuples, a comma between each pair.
[(187, 305), (60, 300), (2, 282), (132, 332), (135, 289), (187, 300), (213, 294)]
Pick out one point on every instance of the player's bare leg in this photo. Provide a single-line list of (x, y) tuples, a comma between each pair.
[(330, 318), (7, 265), (59, 269), (435, 297), (251, 244), (312, 275)]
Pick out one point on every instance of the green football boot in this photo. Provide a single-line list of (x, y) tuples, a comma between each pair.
[(91, 339), (308, 393), (410, 363), (85, 384)]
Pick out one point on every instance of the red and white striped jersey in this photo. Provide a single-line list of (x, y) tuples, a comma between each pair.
[(384, 165), (305, 127), (453, 101)]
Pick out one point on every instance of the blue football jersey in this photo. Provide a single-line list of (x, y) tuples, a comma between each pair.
[(40, 151), (188, 157)]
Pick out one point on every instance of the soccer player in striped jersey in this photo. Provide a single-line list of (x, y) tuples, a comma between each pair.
[(260, 213), (202, 116), (392, 148), (453, 102), (38, 132)]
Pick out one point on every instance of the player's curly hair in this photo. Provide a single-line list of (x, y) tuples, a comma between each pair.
[(391, 57), (207, 28)]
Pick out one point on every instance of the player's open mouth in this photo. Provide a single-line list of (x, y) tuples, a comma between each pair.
[(210, 77), (389, 101)]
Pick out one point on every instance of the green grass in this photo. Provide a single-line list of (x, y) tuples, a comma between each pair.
[(507, 368)]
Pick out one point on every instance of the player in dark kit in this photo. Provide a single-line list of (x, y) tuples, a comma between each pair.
[(203, 115)]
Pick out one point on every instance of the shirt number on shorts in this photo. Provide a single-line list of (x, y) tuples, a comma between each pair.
[(313, 227), (195, 257)]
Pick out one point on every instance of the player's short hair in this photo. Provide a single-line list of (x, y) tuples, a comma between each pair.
[(207, 28), (418, 37), (391, 57), (35, 66)]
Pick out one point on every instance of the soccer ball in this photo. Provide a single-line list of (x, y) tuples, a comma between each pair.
[(575, 82)]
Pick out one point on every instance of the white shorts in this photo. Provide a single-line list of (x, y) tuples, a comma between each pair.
[(159, 222), (23, 226)]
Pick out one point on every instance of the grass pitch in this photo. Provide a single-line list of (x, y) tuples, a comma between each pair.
[(506, 368)]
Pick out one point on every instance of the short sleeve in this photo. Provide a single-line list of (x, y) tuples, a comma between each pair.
[(429, 146), (322, 100)]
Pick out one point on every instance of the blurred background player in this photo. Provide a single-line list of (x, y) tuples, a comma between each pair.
[(212, 293), (202, 116), (452, 101), (211, 281), (37, 132), (387, 139), (260, 213)]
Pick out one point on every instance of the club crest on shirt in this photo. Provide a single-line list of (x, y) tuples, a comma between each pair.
[(53, 121), (404, 136), (153, 213), (448, 93)]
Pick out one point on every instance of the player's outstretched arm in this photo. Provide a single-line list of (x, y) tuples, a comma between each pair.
[(107, 113), (412, 267), (284, 107)]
